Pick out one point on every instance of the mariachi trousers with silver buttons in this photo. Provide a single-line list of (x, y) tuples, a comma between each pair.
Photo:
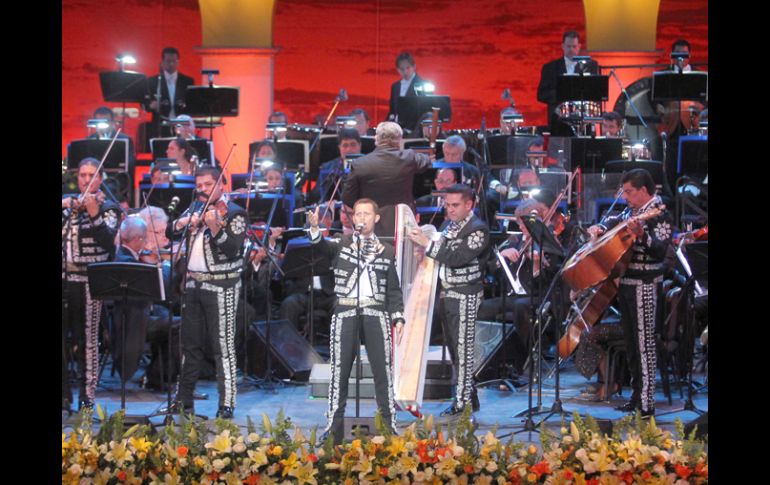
[(208, 322), (82, 322), (376, 334), (640, 311), (458, 321)]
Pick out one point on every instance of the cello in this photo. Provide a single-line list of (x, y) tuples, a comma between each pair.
[(592, 271)]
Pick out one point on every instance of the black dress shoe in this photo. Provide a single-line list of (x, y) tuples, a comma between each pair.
[(628, 407), (225, 412), (452, 410), (201, 396), (475, 405)]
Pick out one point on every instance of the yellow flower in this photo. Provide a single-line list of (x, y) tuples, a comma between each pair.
[(288, 463), (304, 473), (356, 444), (222, 443), (532, 449), (397, 446), (140, 444), (531, 477), (276, 451)]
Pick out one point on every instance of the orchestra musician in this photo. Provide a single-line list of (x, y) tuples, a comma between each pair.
[(640, 286), (460, 249), (371, 284), (173, 91), (405, 87), (105, 113), (348, 142), (134, 315), (185, 155), (362, 122), (546, 90), (214, 265), (454, 148), (530, 274), (612, 124), (156, 251), (89, 228)]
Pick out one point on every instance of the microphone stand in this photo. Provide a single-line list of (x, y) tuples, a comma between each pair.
[(269, 381), (628, 98)]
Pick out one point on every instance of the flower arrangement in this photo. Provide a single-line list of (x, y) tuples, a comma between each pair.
[(424, 453)]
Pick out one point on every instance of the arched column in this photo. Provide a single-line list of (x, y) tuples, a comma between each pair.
[(238, 41)]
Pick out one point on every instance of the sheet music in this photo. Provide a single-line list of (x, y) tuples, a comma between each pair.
[(517, 288)]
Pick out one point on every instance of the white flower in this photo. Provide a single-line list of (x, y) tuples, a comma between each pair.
[(253, 437), (491, 467), (75, 470), (378, 440), (239, 448)]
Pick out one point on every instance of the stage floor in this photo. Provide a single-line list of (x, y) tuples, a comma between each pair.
[(498, 407)]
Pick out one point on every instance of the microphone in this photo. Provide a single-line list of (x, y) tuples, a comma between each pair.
[(360, 226), (172, 206), (357, 230)]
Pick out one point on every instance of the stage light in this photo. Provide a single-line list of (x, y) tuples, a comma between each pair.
[(426, 87), (98, 124)]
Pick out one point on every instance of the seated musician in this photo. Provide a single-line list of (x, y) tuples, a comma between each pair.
[(132, 315), (278, 117), (532, 277), (267, 149), (612, 125), (508, 125), (296, 291), (185, 128), (156, 245), (454, 152), (185, 155), (348, 142), (374, 288), (444, 178), (425, 125), (362, 122), (105, 113)]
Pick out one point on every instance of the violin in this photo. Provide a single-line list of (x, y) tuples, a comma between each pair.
[(701, 234), (151, 257)]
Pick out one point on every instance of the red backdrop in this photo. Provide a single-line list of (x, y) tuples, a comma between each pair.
[(470, 50)]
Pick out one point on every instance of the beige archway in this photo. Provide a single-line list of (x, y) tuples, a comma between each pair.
[(238, 41)]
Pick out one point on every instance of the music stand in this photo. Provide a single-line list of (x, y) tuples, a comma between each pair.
[(160, 195), (299, 256), (548, 244), (123, 86), (675, 86), (261, 205), (135, 282), (117, 158), (570, 87), (211, 101), (293, 154), (410, 108), (498, 149)]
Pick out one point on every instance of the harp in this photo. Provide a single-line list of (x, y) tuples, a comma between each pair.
[(419, 277)]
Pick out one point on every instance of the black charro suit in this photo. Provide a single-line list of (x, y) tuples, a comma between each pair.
[(180, 99)]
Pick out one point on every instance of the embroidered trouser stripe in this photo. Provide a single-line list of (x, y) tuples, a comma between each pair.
[(209, 317), (639, 316), (459, 312), (93, 317), (377, 337)]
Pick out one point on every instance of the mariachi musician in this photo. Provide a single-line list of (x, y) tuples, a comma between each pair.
[(460, 248), (640, 286), (365, 281), (215, 230), (89, 227)]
